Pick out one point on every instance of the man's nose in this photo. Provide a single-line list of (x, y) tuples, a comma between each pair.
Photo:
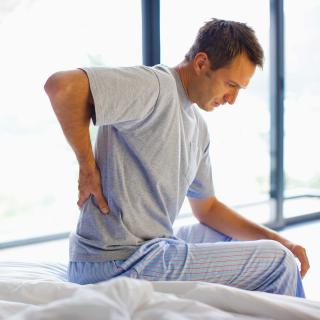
[(231, 98)]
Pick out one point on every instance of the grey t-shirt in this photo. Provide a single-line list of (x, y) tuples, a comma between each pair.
[(152, 151)]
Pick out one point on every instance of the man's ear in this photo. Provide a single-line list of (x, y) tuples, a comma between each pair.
[(200, 62)]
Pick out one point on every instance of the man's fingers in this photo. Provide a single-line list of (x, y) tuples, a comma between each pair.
[(89, 183), (304, 267), (303, 258), (102, 203), (80, 203), (303, 271), (82, 197)]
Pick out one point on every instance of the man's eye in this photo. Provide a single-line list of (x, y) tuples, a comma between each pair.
[(231, 85)]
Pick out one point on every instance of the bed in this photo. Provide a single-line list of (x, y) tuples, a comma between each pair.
[(41, 291)]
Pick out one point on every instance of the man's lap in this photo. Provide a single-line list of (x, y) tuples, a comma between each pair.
[(197, 253), (200, 253), (89, 272)]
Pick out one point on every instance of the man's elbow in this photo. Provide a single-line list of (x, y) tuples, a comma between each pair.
[(50, 84), (68, 86), (202, 208), (54, 84), (59, 87)]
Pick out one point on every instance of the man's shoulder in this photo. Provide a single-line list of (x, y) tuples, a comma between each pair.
[(163, 73)]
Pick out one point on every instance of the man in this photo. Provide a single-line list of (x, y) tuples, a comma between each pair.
[(152, 149)]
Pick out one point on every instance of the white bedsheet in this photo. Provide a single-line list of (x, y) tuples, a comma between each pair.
[(42, 293)]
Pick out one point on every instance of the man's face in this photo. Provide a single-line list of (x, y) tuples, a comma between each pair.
[(209, 89)]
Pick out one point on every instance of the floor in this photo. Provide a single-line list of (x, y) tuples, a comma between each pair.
[(306, 234)]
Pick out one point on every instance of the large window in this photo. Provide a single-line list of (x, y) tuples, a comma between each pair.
[(302, 112), (38, 190), (239, 133)]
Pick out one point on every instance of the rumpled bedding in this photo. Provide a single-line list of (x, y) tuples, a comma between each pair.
[(33, 291)]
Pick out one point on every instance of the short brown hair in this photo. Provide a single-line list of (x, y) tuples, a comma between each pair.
[(223, 40)]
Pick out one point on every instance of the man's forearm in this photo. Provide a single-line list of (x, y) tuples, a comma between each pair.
[(228, 221), (70, 98)]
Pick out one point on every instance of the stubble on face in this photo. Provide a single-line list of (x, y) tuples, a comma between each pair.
[(222, 85)]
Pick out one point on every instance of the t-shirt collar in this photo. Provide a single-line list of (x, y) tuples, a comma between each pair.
[(182, 93)]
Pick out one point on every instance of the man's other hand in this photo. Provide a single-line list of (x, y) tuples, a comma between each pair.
[(300, 253), (89, 183)]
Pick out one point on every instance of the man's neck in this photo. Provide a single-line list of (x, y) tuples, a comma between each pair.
[(183, 70)]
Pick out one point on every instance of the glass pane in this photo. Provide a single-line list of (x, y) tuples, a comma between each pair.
[(38, 190), (239, 133), (302, 112)]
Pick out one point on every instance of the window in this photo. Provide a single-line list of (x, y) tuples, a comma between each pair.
[(38, 191), (302, 112)]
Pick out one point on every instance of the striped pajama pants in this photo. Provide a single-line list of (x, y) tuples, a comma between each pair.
[(200, 253)]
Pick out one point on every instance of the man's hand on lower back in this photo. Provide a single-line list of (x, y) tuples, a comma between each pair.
[(89, 183)]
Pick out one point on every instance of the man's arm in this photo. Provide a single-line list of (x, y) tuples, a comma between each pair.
[(217, 215), (72, 102)]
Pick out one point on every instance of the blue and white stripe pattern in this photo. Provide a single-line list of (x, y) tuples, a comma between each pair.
[(200, 253)]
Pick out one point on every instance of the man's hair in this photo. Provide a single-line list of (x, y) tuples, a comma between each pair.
[(223, 40)]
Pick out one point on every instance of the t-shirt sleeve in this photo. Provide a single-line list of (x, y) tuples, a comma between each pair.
[(120, 95), (202, 185)]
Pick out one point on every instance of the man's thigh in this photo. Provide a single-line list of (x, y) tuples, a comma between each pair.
[(246, 264), (200, 233)]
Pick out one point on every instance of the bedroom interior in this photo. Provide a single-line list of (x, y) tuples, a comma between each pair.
[(270, 175)]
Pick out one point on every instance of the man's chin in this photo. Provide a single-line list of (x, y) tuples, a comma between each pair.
[(206, 107)]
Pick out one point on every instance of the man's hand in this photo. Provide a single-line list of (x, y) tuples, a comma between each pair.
[(90, 183), (300, 253)]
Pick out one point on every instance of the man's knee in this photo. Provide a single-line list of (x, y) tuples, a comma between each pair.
[(279, 253)]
